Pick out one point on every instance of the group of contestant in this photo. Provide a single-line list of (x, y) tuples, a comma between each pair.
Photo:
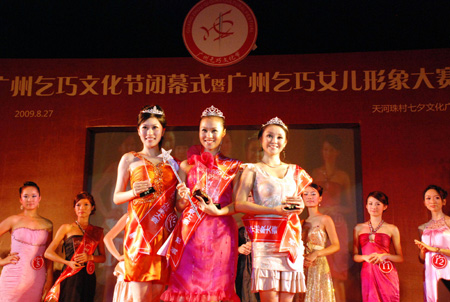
[(193, 257)]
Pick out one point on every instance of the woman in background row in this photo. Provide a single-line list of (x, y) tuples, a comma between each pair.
[(203, 250), (379, 277), (337, 203), (151, 202), (80, 240), (435, 244), (26, 276), (317, 228), (277, 272)]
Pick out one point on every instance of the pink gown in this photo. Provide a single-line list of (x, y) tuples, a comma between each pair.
[(25, 280), (377, 285), (437, 266), (207, 268)]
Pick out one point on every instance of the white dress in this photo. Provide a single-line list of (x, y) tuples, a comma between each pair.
[(271, 270)]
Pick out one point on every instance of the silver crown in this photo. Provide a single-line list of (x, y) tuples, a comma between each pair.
[(212, 111), (153, 110), (275, 121)]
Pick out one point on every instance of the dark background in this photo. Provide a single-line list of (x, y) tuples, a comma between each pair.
[(142, 29)]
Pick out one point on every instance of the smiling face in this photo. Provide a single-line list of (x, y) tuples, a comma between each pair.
[(151, 132), (311, 197), (211, 133), (83, 208), (433, 201), (273, 140), (30, 198), (375, 207)]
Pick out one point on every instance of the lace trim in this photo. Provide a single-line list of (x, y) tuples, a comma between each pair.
[(436, 224)]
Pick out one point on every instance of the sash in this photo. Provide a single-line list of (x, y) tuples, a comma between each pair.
[(143, 228), (213, 176), (286, 231), (91, 238)]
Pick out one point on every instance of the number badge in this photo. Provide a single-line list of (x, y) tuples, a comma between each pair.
[(386, 266), (439, 261)]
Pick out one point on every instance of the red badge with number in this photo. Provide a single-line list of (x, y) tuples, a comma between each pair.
[(90, 267), (37, 263), (439, 261), (386, 266)]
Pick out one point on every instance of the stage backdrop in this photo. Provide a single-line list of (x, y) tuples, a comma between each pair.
[(386, 112)]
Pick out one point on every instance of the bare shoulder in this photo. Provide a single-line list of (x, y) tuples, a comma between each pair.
[(422, 227), (47, 223), (359, 227), (185, 166), (447, 220), (392, 228), (325, 219)]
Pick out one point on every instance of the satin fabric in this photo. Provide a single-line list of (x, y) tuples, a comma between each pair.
[(437, 235), (376, 285), (319, 285), (122, 292), (21, 282), (150, 266), (207, 268)]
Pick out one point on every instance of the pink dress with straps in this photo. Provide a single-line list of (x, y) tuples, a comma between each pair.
[(437, 266)]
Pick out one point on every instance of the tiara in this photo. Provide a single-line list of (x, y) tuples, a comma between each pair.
[(275, 121), (153, 110), (212, 111)]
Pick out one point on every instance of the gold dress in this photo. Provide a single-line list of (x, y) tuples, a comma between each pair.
[(319, 285)]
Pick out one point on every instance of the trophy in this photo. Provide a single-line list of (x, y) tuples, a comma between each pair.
[(167, 158)]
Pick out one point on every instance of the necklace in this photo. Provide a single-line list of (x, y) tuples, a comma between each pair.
[(373, 231), (79, 225), (273, 167)]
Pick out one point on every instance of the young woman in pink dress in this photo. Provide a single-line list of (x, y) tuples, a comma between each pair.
[(379, 278), (435, 244), (272, 221), (26, 275), (203, 250)]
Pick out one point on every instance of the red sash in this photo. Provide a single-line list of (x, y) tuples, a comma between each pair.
[(91, 238), (143, 228), (213, 176), (286, 231)]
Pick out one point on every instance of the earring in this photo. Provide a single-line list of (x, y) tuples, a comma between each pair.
[(220, 146), (284, 154), (21, 207)]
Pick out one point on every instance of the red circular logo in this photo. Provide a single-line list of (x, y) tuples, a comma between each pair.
[(37, 263), (171, 221), (439, 261), (386, 266), (90, 267), (220, 32)]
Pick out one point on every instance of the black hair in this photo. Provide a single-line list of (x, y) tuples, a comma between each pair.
[(85, 195), (29, 184)]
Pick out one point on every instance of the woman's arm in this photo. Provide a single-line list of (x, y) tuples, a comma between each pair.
[(398, 256), (49, 267), (182, 190), (356, 256), (334, 246), (6, 226), (123, 177), (109, 237), (50, 252)]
